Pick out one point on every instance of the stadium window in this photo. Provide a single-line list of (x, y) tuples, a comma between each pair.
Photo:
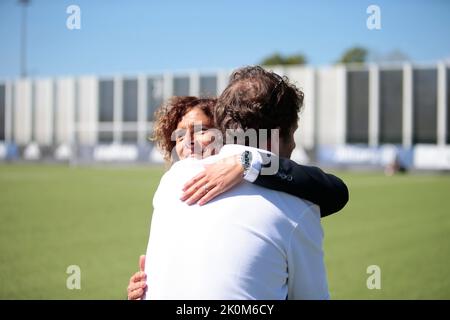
[(105, 137), (181, 86), (129, 137), (358, 106), (391, 106), (448, 105), (424, 106), (2, 111), (208, 86), (106, 101), (154, 96), (130, 100)]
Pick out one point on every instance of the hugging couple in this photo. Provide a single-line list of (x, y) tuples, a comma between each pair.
[(234, 217)]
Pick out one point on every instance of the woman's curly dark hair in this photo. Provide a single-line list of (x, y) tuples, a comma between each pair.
[(258, 99), (170, 114)]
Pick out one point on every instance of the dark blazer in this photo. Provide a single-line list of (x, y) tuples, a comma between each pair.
[(307, 182)]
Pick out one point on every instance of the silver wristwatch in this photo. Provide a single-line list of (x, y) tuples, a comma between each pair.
[(246, 161)]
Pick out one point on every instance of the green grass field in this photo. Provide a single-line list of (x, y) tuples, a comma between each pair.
[(98, 218)]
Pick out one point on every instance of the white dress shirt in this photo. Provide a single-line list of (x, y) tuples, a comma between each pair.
[(248, 243)]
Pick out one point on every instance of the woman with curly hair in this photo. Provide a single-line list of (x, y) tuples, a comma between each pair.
[(183, 126)]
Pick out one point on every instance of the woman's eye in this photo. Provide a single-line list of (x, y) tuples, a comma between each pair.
[(202, 131), (179, 135)]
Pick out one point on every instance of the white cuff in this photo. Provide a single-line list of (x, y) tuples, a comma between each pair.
[(255, 167)]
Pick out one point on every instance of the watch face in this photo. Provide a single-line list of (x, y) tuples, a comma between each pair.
[(246, 159)]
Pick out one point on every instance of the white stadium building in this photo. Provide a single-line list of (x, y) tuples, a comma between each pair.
[(353, 116)]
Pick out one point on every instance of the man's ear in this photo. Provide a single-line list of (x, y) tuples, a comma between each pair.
[(269, 143)]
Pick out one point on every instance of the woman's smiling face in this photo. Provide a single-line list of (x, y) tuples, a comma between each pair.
[(192, 136)]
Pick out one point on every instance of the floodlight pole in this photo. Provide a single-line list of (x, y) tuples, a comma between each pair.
[(23, 38)]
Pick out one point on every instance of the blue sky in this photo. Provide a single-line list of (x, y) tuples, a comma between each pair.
[(153, 36)]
